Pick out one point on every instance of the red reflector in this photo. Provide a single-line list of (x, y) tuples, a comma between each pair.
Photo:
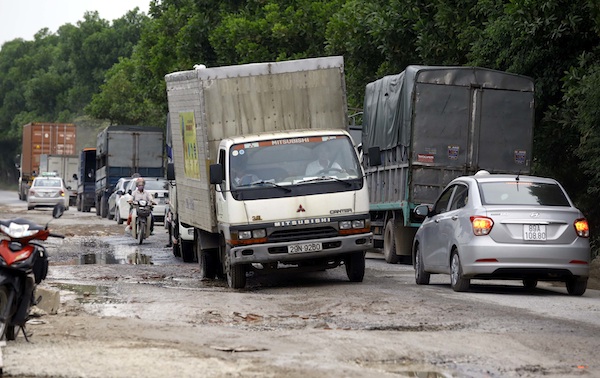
[(486, 260), (578, 262)]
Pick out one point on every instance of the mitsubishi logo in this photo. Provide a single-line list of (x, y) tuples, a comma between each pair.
[(534, 215), (300, 209)]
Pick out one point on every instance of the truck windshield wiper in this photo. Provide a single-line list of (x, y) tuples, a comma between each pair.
[(262, 183), (324, 178)]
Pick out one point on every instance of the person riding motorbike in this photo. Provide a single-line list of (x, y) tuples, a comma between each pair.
[(140, 194)]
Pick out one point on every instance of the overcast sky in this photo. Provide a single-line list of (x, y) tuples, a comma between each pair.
[(24, 18)]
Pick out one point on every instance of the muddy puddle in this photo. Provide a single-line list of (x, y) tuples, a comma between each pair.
[(91, 251)]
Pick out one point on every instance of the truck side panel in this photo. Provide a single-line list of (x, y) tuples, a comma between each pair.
[(250, 99), (43, 138)]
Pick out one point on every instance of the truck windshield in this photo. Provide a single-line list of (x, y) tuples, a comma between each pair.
[(295, 161)]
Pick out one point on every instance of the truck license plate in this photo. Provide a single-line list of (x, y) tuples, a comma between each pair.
[(534, 232), (307, 247)]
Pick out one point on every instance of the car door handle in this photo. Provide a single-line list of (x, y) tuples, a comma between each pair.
[(454, 217), (437, 220)]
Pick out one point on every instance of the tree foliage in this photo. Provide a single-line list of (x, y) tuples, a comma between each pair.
[(116, 71)]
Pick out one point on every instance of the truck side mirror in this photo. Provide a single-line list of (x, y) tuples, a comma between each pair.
[(216, 173), (170, 171), (374, 156)]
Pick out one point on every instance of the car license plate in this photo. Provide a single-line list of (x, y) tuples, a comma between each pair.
[(307, 247), (534, 232)]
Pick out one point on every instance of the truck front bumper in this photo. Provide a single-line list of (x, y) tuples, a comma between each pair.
[(279, 252)]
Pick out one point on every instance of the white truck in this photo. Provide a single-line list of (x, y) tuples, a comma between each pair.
[(64, 166), (244, 137)]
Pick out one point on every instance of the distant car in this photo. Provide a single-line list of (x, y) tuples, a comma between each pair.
[(505, 227), (47, 191), (157, 186), (118, 191)]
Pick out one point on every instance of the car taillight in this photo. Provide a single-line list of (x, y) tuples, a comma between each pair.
[(481, 225), (62, 193), (582, 228)]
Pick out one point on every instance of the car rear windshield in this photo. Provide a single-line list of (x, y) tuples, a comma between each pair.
[(522, 193)]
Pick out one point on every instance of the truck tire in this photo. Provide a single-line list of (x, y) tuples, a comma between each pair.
[(389, 243), (103, 207), (208, 264), (79, 204), (355, 266), (187, 250), (397, 242), (236, 274)]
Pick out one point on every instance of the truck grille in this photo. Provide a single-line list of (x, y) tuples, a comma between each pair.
[(302, 234)]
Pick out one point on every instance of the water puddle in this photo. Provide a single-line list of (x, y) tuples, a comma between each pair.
[(117, 254), (86, 293)]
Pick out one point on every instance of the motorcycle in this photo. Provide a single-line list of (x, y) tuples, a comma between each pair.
[(140, 220), (23, 265)]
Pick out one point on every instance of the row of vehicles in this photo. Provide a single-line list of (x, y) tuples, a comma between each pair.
[(247, 197), (422, 129)]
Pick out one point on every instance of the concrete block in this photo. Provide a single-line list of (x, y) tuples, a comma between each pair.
[(50, 301)]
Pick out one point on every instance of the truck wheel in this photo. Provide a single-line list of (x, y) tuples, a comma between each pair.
[(355, 266), (208, 264), (103, 207), (389, 243), (78, 202), (176, 250), (236, 274), (187, 250)]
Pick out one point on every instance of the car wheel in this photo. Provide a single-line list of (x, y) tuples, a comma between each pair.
[(355, 266), (30, 207), (530, 283), (457, 281), (389, 243), (577, 287), (421, 276)]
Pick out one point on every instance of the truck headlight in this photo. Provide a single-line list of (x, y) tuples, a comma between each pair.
[(254, 234), (345, 225), (350, 224)]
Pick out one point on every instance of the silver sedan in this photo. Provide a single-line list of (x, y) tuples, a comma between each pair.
[(506, 227)]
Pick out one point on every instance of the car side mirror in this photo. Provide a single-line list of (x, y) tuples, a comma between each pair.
[(422, 210), (120, 192), (129, 192)]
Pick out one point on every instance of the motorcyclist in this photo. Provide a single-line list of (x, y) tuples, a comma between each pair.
[(140, 194)]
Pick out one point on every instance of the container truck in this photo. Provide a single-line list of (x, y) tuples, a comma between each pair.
[(123, 150), (86, 180), (430, 124), (64, 166), (43, 138), (243, 139)]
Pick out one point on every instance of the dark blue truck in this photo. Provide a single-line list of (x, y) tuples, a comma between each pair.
[(122, 151)]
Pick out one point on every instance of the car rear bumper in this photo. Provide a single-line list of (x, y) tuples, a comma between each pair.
[(542, 261)]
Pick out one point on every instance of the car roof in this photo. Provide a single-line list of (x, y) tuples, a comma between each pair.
[(498, 177)]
